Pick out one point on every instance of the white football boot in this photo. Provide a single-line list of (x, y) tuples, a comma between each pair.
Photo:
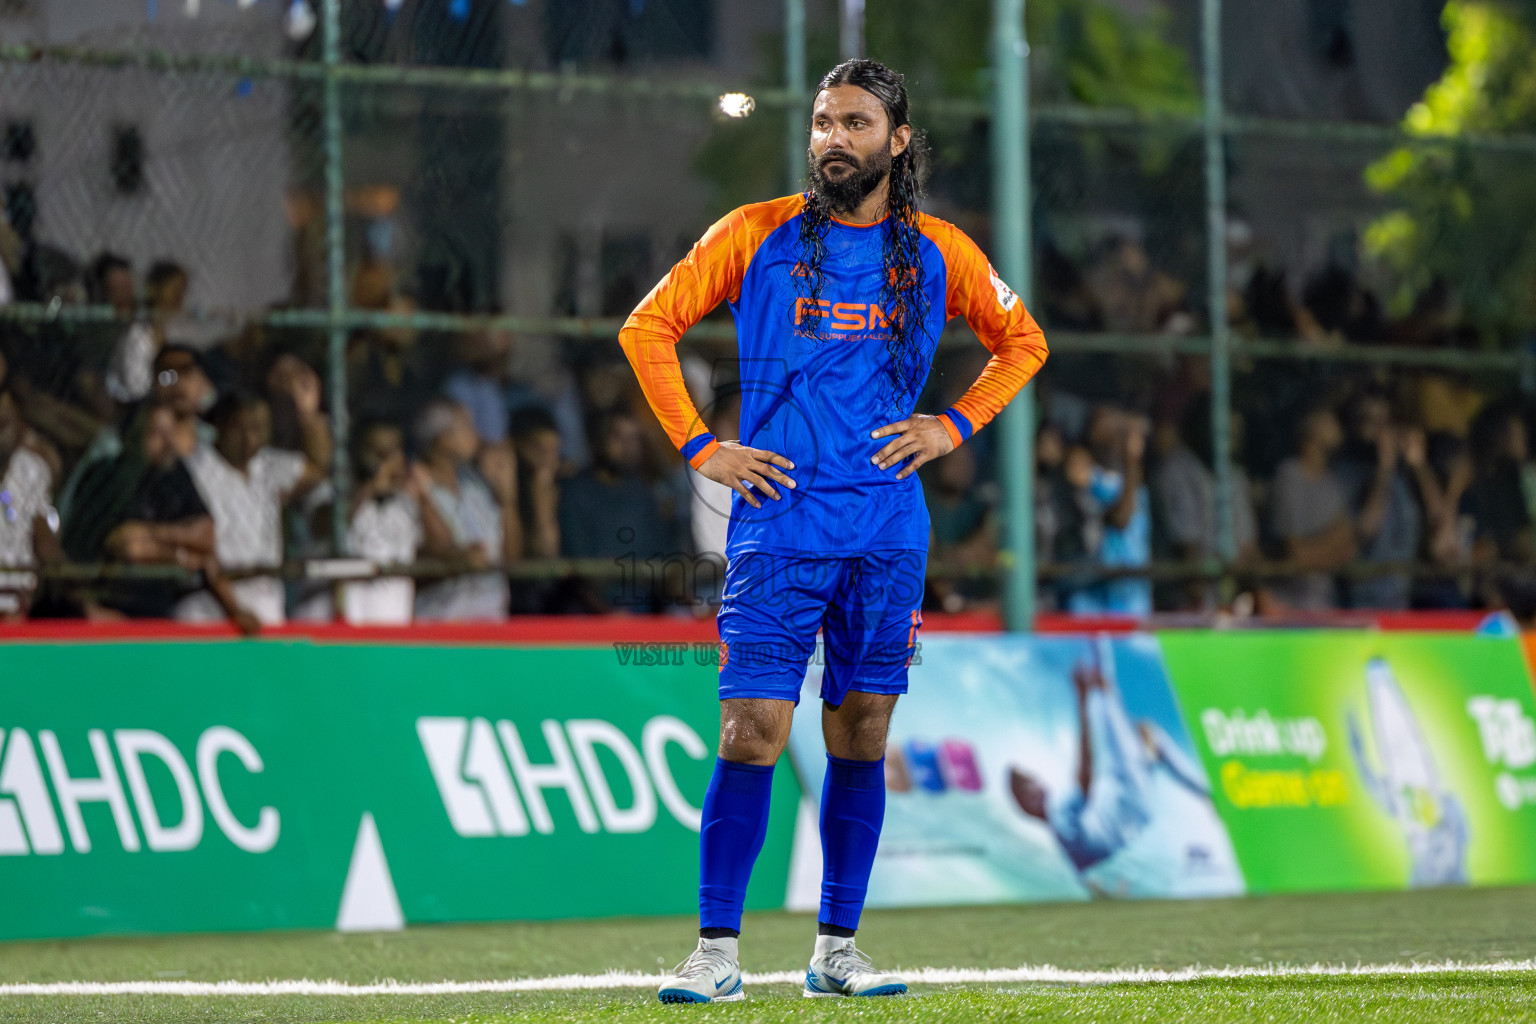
[(709, 975), (839, 969)]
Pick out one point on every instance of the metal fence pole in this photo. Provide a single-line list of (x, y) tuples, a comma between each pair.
[(1011, 242), (851, 35), (1216, 259), (336, 256), (794, 84)]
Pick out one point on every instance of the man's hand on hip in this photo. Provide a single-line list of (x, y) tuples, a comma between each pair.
[(740, 468), (920, 438)]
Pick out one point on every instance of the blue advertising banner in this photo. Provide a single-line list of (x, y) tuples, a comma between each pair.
[(1032, 768)]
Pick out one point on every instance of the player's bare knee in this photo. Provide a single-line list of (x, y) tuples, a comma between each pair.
[(858, 731), (752, 732)]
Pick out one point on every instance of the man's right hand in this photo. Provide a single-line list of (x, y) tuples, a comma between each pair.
[(740, 468)]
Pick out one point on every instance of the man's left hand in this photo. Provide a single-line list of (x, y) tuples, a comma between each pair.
[(919, 438)]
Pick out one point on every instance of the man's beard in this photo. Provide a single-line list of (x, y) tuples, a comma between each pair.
[(844, 194)]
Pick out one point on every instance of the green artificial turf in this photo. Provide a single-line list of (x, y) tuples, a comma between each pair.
[(1467, 925)]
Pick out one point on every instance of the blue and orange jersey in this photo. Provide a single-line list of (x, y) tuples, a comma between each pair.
[(814, 397)]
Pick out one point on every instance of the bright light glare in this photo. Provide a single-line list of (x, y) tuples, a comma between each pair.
[(737, 104)]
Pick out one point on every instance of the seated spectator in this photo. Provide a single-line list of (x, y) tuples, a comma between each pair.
[(245, 483), (1495, 502), (130, 374), (1117, 442), (480, 383), (1310, 515), (1185, 487), (468, 515), (141, 508), (385, 527), (1389, 488), (180, 384), (27, 519), (609, 511)]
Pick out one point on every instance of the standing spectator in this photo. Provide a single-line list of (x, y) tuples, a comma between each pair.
[(385, 527), (1311, 514), (536, 444), (480, 383), (1118, 444), (1050, 454), (1389, 487), (469, 515), (129, 374), (245, 483), (110, 282), (1495, 502), (1185, 488), (1134, 296), (609, 511), (389, 374)]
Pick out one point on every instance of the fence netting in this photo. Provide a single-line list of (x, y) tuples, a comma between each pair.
[(290, 331)]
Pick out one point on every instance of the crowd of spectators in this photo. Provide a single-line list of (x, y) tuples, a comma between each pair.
[(195, 473)]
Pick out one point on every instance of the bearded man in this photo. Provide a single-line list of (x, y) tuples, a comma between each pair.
[(840, 295)]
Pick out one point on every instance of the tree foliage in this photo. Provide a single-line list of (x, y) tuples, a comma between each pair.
[(1465, 213)]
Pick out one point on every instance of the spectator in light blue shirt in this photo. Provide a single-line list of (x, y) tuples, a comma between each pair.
[(480, 383), (1118, 442)]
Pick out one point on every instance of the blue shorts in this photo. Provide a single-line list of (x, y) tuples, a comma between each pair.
[(868, 608)]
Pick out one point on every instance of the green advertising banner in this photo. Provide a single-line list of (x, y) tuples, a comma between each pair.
[(1365, 760), (153, 787)]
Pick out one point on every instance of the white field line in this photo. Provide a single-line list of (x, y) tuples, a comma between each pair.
[(615, 980)]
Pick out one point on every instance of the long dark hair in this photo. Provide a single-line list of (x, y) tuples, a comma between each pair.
[(902, 298)]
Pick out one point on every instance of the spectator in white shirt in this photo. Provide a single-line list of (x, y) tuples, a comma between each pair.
[(476, 525), (130, 373), (385, 526), (27, 520), (245, 483)]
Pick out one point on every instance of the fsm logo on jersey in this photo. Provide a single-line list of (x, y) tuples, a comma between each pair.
[(31, 816), (491, 786)]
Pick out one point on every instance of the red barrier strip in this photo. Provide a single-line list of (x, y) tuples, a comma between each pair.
[(606, 629)]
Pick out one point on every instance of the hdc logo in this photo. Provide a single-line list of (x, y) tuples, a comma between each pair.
[(24, 798), (471, 769)]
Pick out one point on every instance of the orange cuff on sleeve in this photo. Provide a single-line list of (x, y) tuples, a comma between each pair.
[(702, 455), (954, 433)]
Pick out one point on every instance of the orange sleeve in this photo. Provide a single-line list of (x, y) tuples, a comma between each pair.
[(996, 314), (709, 274)]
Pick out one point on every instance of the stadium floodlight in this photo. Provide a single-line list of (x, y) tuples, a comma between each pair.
[(737, 104)]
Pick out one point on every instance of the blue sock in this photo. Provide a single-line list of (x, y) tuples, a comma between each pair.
[(852, 810), (730, 838)]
